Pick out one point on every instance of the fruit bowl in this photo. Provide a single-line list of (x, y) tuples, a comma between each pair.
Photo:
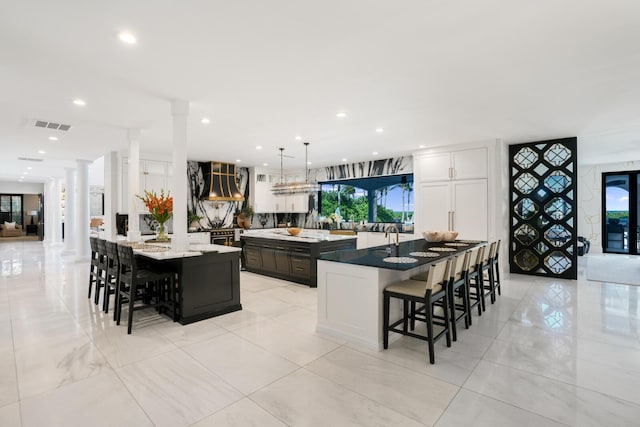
[(449, 236), (294, 231), (433, 236)]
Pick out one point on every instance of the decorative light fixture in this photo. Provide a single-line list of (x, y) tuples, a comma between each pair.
[(283, 188)]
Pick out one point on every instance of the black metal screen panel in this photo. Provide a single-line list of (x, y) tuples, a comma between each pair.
[(543, 189)]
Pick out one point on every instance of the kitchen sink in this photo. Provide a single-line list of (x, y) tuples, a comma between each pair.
[(400, 259)]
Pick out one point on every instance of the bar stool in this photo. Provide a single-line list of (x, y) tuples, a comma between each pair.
[(488, 285), (496, 266), (136, 284), (111, 277), (474, 274), (93, 265), (433, 290), (102, 268), (458, 284)]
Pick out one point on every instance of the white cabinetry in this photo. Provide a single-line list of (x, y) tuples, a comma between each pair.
[(263, 200), (369, 239), (153, 177), (452, 192)]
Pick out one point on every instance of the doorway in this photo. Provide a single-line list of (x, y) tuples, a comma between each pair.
[(620, 212), (11, 208)]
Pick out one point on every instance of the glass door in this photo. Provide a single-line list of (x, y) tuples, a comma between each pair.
[(11, 208), (620, 212)]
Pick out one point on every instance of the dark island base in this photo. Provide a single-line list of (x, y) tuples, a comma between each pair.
[(289, 260), (208, 285)]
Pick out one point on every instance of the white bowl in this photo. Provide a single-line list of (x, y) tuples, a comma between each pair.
[(449, 236), (433, 236)]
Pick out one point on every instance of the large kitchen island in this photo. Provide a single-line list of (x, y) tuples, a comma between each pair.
[(273, 252)]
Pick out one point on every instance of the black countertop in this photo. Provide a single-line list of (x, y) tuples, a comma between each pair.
[(373, 257)]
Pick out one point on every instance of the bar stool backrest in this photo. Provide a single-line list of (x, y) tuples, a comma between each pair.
[(460, 265), (102, 250), (112, 253), (127, 261), (438, 274), (475, 258), (489, 254), (93, 243), (497, 254)]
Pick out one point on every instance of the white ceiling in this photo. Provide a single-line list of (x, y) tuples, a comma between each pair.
[(428, 72)]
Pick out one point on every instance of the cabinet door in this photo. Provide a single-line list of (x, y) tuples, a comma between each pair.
[(434, 167), (434, 206), (154, 176), (280, 203), (469, 164), (263, 198), (298, 203), (470, 206)]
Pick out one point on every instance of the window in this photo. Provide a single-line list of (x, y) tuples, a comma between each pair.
[(376, 199), (11, 208), (620, 198)]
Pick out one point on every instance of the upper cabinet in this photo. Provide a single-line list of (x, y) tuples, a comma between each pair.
[(454, 165), (154, 177), (263, 200)]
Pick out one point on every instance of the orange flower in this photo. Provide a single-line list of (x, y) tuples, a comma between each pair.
[(160, 207)]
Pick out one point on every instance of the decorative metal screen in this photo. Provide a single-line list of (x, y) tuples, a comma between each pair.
[(543, 208)]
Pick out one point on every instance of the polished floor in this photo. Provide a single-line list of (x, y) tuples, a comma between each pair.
[(548, 353)]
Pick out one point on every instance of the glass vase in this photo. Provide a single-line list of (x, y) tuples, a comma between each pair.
[(161, 233)]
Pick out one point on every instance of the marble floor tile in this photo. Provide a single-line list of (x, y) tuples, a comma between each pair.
[(296, 295), (265, 305), (556, 400), (43, 330), (183, 335), (238, 319), (175, 390), (101, 400), (609, 380), (8, 378), (6, 337), (10, 415), (419, 397), (120, 349), (292, 344), (473, 409), (243, 413), (43, 368), (609, 354), (242, 364), (305, 399), (300, 318)]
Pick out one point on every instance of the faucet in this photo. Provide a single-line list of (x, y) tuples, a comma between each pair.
[(388, 230)]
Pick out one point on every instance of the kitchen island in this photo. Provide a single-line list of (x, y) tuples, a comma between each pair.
[(273, 252), (208, 279), (350, 286)]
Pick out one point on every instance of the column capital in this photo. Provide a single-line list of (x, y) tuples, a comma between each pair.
[(133, 134), (83, 161), (179, 107)]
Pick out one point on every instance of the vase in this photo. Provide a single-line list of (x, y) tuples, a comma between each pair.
[(161, 234)]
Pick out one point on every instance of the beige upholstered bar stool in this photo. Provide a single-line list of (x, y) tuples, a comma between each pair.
[(460, 309), (488, 283), (496, 267), (432, 291), (474, 279)]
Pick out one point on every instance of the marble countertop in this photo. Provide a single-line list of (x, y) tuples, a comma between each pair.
[(159, 251), (416, 249), (307, 235)]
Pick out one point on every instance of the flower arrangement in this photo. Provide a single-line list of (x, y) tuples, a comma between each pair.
[(160, 208), (336, 218)]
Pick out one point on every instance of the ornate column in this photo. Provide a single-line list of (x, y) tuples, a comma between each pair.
[(133, 235), (69, 211), (178, 182), (83, 219)]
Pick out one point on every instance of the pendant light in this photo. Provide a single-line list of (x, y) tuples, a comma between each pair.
[(284, 188)]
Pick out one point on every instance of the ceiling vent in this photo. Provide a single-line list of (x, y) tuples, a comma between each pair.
[(29, 159), (50, 125)]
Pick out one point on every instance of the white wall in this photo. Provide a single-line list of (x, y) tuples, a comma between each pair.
[(590, 199), (21, 187)]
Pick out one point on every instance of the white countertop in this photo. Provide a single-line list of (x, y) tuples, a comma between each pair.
[(307, 235), (195, 249)]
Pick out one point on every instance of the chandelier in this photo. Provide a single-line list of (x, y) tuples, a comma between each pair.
[(305, 187)]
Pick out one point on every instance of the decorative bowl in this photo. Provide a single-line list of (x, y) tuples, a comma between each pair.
[(294, 231), (433, 236), (449, 236)]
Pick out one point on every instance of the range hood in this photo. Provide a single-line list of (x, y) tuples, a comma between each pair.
[(220, 180)]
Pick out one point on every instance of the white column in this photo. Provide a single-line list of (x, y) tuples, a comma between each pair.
[(56, 211), (83, 219), (178, 183), (69, 211), (48, 212), (133, 235), (110, 195)]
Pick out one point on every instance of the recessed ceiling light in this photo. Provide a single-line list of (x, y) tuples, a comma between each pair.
[(258, 147), (29, 167), (421, 146), (344, 160), (126, 37), (341, 115), (238, 161), (379, 130), (308, 163), (265, 164), (79, 102), (25, 173), (298, 138), (42, 152), (53, 138), (375, 153), (205, 121)]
